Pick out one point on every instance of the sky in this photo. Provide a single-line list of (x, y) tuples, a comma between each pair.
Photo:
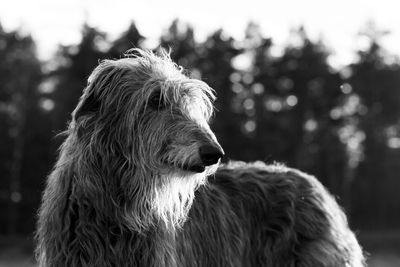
[(338, 23)]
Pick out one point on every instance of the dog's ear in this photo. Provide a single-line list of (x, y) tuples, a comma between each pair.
[(88, 104), (98, 81)]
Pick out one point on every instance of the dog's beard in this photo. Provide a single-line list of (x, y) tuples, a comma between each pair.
[(174, 196)]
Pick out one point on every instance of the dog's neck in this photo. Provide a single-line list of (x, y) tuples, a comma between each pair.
[(140, 220), (148, 244)]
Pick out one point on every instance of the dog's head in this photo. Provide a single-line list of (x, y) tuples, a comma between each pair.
[(143, 111)]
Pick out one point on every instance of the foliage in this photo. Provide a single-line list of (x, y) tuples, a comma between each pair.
[(340, 125)]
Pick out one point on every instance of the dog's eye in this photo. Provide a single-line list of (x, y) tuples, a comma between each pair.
[(156, 101)]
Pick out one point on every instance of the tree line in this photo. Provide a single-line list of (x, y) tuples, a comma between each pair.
[(341, 125)]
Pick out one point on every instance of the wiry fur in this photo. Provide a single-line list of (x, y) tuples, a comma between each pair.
[(130, 189)]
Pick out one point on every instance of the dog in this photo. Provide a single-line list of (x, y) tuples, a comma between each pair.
[(138, 182)]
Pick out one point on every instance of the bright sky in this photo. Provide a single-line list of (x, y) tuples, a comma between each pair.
[(338, 22)]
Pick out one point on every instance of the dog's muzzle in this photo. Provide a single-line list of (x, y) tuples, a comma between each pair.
[(210, 154)]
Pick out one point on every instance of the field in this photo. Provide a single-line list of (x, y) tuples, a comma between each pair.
[(383, 248)]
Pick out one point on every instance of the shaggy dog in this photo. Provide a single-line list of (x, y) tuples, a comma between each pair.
[(136, 184)]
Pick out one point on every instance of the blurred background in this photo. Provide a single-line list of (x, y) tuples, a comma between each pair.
[(315, 85)]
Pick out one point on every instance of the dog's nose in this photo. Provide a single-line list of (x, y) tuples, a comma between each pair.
[(210, 154)]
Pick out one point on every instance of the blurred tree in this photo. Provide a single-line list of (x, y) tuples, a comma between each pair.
[(251, 80), (22, 126), (75, 63), (180, 39), (376, 80), (129, 39), (288, 100), (311, 89)]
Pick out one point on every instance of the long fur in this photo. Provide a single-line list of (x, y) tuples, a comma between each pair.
[(130, 187)]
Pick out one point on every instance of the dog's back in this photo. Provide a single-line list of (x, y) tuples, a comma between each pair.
[(259, 215)]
